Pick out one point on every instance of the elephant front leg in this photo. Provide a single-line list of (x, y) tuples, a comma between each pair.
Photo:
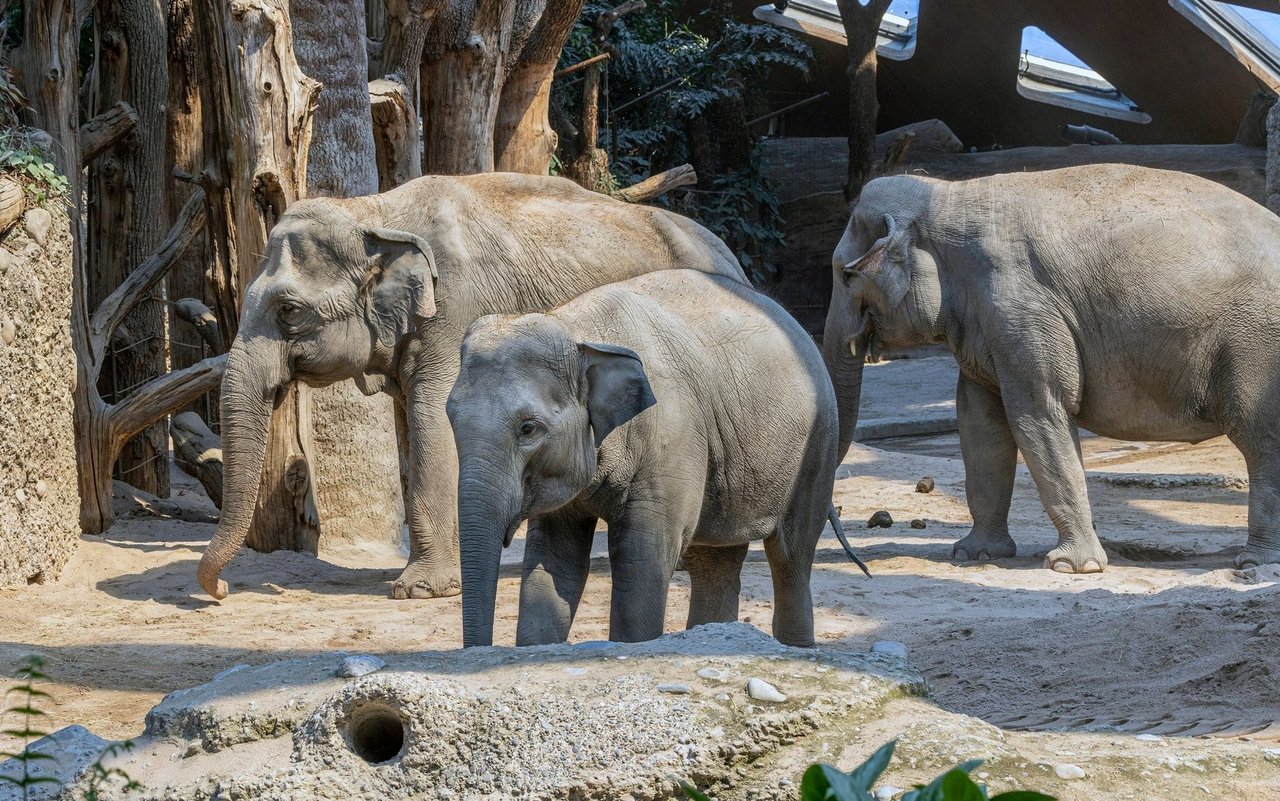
[(557, 558), (715, 582), (990, 463), (1047, 437), (643, 552), (431, 503)]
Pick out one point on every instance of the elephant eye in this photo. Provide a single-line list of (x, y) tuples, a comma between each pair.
[(529, 428)]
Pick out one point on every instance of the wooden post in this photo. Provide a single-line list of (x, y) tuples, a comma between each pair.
[(861, 25)]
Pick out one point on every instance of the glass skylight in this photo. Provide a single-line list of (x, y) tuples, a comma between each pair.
[(1252, 36), (1050, 73), (821, 19)]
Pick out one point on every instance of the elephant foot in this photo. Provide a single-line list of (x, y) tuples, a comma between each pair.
[(1077, 558), (1254, 556), (984, 546), (419, 582)]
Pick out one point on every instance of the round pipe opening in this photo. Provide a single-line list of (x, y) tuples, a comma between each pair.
[(376, 733)]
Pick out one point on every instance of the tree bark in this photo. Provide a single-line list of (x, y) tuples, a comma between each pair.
[(861, 24), (185, 154), (126, 213), (356, 469), (395, 135), (462, 75), (523, 138), (105, 130), (257, 114)]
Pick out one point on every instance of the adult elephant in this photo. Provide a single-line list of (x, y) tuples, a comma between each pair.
[(1138, 303), (382, 288)]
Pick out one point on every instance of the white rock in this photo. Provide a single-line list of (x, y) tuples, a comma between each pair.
[(887, 792), (360, 665), (714, 674), (576, 671), (1066, 770), (37, 222), (890, 647), (762, 690), (722, 696), (8, 331), (676, 688), (42, 489), (1149, 738), (21, 496)]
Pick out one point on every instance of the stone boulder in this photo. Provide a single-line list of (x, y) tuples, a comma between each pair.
[(39, 500), (586, 721)]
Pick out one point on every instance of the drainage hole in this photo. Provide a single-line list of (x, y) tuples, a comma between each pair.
[(376, 734)]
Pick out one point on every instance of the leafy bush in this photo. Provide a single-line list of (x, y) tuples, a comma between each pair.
[(720, 65), (26, 163), (825, 783)]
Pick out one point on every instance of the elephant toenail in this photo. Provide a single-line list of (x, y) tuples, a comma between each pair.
[(983, 556), (960, 554), (1063, 566), (1092, 567)]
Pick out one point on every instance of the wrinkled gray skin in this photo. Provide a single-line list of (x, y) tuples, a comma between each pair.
[(556, 422), (348, 289), (1137, 303)]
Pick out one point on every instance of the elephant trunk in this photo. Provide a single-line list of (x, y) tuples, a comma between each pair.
[(845, 352), (254, 373), (484, 520)]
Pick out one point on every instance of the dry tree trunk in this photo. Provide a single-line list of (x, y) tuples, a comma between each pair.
[(462, 73), (861, 24), (395, 89), (523, 138), (184, 155), (198, 451), (591, 167), (257, 114), (126, 206), (356, 465)]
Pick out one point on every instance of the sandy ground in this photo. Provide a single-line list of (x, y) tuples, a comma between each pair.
[(1170, 640)]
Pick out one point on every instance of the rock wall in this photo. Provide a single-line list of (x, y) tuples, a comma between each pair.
[(39, 501)]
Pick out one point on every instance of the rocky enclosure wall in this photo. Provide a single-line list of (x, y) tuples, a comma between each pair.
[(39, 503)]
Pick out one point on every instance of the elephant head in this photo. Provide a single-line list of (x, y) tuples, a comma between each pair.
[(529, 410), (885, 288), (331, 301)]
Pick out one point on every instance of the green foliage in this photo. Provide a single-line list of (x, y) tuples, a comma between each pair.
[(825, 783), (31, 167), (699, 120), (27, 710)]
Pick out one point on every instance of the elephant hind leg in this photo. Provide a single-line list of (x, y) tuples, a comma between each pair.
[(1262, 455), (790, 563), (715, 579)]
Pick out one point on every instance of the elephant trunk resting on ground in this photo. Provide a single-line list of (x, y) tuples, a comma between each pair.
[(1138, 303), (687, 410), (381, 289)]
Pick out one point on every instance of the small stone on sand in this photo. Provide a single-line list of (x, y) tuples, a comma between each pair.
[(925, 484), (890, 647), (675, 688), (918, 523), (1068, 771), (880, 519), (360, 665), (762, 690)]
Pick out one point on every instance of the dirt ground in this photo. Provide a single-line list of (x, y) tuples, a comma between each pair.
[(1169, 641)]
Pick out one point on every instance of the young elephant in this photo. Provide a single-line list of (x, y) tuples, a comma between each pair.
[(1138, 303), (688, 411)]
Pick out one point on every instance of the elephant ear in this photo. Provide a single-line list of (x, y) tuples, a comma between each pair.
[(399, 286), (886, 263), (617, 387)]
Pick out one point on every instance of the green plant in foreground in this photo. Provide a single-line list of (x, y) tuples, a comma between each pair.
[(29, 671), (825, 783)]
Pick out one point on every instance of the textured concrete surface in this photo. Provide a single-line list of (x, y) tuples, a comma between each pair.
[(594, 720), (39, 502)]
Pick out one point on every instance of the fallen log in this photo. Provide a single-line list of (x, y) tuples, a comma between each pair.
[(658, 185), (198, 451)]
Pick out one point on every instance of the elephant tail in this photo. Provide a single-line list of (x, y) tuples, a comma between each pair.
[(844, 541)]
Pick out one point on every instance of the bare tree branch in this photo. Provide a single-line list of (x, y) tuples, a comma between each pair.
[(660, 184), (105, 130), (202, 319), (145, 276), (165, 395)]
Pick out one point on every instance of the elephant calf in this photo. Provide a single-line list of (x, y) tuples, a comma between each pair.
[(725, 433), (1138, 303)]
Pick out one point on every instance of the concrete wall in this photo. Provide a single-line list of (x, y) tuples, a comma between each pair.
[(39, 502)]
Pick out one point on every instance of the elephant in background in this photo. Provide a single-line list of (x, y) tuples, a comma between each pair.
[(688, 411), (1137, 303), (382, 288)]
